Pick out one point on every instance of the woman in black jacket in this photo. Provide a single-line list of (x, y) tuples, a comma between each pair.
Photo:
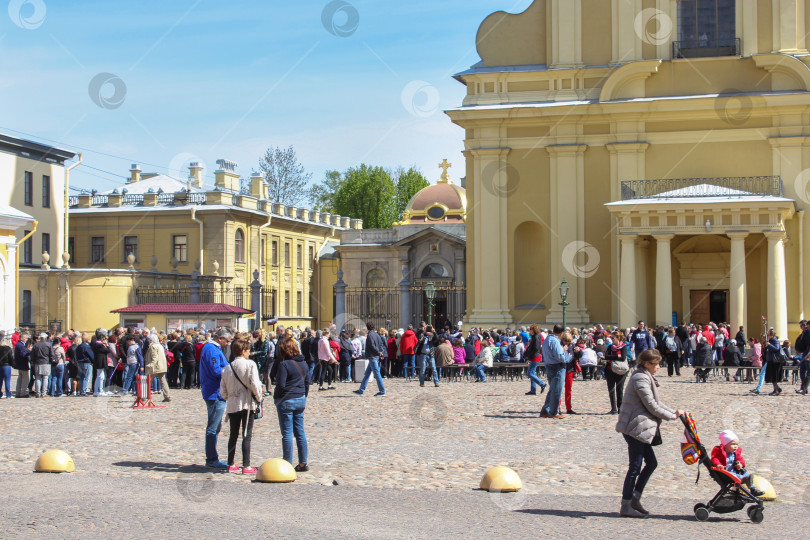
[(775, 363), (704, 360), (732, 358), (345, 356), (290, 397)]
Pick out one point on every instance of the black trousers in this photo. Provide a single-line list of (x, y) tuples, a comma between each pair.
[(615, 384), (173, 373), (673, 363), (241, 422), (327, 373), (189, 374)]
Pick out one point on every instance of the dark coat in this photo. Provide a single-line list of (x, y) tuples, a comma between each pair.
[(773, 369), (21, 356), (704, 356), (42, 354), (100, 352), (731, 356), (535, 347)]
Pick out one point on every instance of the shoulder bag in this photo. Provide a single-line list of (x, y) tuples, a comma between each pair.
[(259, 412)]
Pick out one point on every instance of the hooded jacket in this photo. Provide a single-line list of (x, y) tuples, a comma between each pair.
[(408, 342)]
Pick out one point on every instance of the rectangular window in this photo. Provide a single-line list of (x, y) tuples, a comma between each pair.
[(28, 249), (312, 257), (46, 191), (29, 188), (130, 246), (287, 260), (287, 303), (299, 304), (97, 249), (299, 256), (264, 250), (71, 249), (46, 243), (180, 247), (274, 254), (26, 307), (706, 28)]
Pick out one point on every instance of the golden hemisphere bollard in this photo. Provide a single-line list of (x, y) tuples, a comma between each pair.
[(55, 461), (501, 479), (276, 471)]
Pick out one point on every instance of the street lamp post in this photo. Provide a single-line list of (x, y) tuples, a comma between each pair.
[(430, 293), (564, 294)]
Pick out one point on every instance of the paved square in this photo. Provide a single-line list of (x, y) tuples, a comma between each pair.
[(396, 458)]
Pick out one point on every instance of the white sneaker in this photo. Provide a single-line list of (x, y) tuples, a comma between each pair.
[(10, 397)]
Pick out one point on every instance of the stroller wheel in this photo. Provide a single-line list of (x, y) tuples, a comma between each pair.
[(755, 514), (702, 512)]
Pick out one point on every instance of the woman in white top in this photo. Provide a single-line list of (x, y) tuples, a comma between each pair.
[(241, 388)]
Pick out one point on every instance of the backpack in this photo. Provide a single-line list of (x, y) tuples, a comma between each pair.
[(512, 349), (670, 343)]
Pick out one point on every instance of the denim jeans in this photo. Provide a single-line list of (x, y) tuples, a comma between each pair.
[(636, 477), (55, 386), (311, 370), (423, 360), (762, 376), (373, 367), (129, 377), (479, 372), (98, 386), (291, 422), (216, 407), (85, 372), (534, 378), (556, 383), (5, 380), (408, 361)]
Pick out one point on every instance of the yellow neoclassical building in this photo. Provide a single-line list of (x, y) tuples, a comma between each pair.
[(157, 243), (655, 154)]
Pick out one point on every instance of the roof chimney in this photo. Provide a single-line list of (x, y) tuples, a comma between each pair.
[(258, 188), (195, 174), (225, 177), (135, 173)]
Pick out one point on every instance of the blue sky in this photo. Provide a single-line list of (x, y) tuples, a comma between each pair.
[(202, 80)]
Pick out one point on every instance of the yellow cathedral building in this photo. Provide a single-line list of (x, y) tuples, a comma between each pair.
[(655, 154)]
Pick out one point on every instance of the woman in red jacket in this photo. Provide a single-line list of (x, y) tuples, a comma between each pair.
[(406, 347)]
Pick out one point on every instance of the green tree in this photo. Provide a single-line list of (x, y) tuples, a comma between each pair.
[(367, 193), (408, 184), (286, 178), (322, 196)]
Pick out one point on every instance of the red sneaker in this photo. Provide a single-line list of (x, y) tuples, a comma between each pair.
[(234, 469), (249, 470)]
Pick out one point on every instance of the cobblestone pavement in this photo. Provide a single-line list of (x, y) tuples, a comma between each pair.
[(394, 451)]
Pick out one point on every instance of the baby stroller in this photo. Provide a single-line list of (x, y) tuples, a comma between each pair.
[(733, 494)]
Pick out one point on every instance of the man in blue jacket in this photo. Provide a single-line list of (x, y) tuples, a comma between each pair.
[(555, 358), (212, 362)]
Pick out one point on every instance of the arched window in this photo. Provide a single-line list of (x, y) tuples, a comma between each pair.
[(375, 279), (239, 246), (435, 270)]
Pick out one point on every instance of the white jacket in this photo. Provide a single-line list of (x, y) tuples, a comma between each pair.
[(484, 357), (237, 397)]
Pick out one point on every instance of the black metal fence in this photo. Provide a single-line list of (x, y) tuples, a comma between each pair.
[(235, 296), (729, 186), (447, 306), (706, 48), (380, 306)]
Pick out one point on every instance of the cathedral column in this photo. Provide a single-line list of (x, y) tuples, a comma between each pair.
[(490, 283), (777, 291), (737, 285), (567, 193), (627, 291), (663, 279)]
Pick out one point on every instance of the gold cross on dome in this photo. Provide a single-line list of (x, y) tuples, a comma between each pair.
[(444, 165)]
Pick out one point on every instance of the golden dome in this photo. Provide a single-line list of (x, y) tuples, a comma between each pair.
[(443, 202)]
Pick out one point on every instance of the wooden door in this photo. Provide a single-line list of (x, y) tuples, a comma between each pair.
[(699, 311)]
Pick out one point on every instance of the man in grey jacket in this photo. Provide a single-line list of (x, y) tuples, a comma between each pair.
[(375, 349)]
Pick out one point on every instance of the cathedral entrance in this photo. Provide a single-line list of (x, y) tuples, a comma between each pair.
[(707, 305)]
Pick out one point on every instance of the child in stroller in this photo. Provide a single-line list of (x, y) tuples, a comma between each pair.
[(728, 455), (736, 489)]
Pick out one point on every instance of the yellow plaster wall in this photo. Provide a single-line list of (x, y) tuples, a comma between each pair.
[(596, 32), (514, 39)]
